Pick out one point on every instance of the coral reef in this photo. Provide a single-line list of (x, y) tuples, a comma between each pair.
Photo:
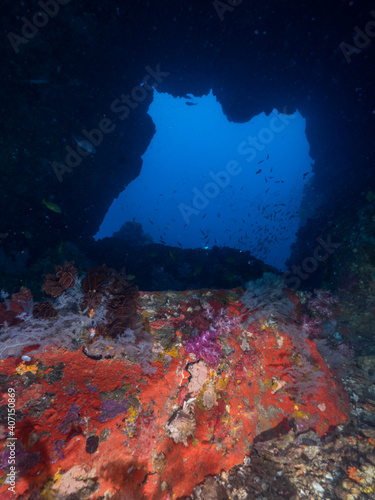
[(22, 301), (97, 312), (93, 286), (141, 407), (323, 304), (203, 346), (44, 310), (64, 279)]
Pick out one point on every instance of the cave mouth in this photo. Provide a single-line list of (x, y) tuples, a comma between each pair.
[(206, 181)]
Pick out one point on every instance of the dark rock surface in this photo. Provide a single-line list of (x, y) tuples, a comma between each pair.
[(67, 75)]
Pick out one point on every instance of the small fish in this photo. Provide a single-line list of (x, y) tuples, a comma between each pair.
[(178, 243), (204, 216), (304, 175), (261, 161), (85, 144), (259, 171), (52, 206), (150, 221), (171, 254), (268, 156)]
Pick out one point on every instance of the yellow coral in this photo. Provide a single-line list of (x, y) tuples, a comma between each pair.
[(301, 415), (173, 353), (222, 383), (23, 368), (132, 415)]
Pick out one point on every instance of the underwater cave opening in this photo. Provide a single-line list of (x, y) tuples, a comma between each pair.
[(206, 181)]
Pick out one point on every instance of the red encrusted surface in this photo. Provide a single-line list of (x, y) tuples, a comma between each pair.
[(234, 402)]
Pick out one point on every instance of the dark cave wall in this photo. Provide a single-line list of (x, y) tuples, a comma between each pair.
[(259, 57)]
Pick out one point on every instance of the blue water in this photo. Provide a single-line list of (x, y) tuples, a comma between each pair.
[(206, 181)]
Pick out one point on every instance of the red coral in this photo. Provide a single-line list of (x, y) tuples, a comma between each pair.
[(8, 316), (24, 295), (21, 301)]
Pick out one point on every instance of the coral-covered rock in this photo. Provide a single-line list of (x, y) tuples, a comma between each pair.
[(99, 427)]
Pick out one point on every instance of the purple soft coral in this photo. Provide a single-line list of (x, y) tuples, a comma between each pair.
[(204, 346)]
